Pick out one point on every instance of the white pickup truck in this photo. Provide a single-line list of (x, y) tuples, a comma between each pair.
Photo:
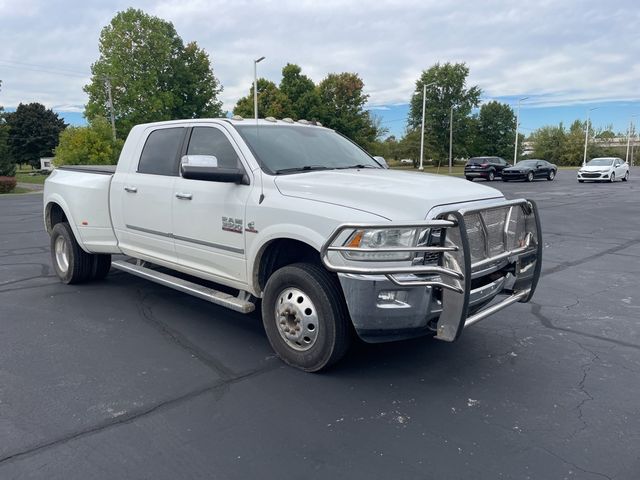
[(295, 215)]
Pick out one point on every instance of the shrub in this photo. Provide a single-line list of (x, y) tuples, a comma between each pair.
[(90, 145), (7, 184)]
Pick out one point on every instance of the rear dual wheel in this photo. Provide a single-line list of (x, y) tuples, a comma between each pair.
[(70, 262)]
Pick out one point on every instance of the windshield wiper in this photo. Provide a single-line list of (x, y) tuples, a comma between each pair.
[(360, 165), (305, 168)]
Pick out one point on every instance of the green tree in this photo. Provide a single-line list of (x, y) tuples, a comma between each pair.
[(7, 167), (573, 151), (33, 133), (494, 131), (446, 87), (271, 102), (549, 143), (342, 107), (153, 75), (91, 145), (301, 91)]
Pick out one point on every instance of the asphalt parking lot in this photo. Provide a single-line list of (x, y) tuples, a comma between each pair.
[(128, 379)]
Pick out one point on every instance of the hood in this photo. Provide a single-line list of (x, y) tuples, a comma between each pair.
[(392, 194), (517, 168), (596, 168)]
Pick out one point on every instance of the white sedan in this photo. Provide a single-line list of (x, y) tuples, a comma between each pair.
[(605, 169)]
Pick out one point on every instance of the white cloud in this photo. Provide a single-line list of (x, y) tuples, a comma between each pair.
[(557, 52)]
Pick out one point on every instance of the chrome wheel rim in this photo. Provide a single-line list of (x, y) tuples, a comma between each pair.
[(296, 319), (551, 175), (491, 177), (530, 176), (613, 178), (61, 250)]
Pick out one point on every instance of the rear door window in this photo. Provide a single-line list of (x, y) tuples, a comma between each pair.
[(161, 151)]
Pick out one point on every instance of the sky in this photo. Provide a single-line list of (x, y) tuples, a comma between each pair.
[(566, 56)]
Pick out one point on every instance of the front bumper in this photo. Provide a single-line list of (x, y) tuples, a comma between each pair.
[(391, 303), (515, 176), (593, 176)]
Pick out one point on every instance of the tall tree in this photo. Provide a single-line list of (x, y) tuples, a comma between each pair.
[(549, 143), (153, 75), (33, 133), (7, 166), (301, 91), (446, 87), (271, 102), (342, 107), (495, 131)]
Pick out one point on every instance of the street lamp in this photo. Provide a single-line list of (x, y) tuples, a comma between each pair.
[(255, 86), (515, 151), (586, 136), (424, 99), (451, 140), (629, 135)]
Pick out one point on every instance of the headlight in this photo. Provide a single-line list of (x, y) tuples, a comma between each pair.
[(381, 238)]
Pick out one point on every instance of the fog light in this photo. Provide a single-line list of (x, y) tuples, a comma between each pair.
[(393, 299)]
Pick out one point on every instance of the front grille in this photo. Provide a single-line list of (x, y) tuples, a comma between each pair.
[(591, 175), (490, 234)]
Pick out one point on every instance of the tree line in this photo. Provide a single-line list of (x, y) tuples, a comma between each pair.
[(145, 73)]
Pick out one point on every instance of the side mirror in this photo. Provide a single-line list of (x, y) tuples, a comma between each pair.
[(205, 167)]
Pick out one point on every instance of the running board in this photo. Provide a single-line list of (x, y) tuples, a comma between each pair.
[(200, 291)]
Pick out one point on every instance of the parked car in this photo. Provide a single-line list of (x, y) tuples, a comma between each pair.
[(605, 169), (530, 169), (298, 219), (406, 161), (484, 167)]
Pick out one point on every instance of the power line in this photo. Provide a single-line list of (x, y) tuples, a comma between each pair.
[(41, 68)]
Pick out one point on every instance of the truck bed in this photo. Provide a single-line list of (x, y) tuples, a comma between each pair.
[(98, 169)]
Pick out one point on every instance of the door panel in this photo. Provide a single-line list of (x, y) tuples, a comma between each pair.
[(208, 217)]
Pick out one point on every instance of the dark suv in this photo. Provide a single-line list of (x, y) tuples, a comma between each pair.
[(484, 167)]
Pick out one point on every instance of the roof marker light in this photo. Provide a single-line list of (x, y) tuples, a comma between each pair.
[(288, 120), (237, 117), (304, 122), (270, 119)]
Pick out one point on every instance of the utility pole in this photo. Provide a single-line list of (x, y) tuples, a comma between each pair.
[(107, 84), (515, 151), (586, 136), (451, 140), (424, 101), (629, 136)]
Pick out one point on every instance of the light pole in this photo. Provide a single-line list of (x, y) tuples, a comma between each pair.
[(586, 136), (424, 99), (255, 86), (515, 150), (629, 136), (451, 140)]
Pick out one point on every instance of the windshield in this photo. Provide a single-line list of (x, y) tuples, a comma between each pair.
[(600, 162), (285, 149), (527, 163)]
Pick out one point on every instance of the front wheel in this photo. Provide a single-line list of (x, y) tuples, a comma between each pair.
[(551, 175), (626, 177), (530, 177), (612, 178), (580, 181), (305, 317), (505, 179), (492, 176), (470, 179)]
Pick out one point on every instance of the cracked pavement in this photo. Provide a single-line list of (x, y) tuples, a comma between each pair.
[(128, 379)]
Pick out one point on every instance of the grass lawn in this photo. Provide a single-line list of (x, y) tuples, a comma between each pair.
[(26, 178), (457, 170)]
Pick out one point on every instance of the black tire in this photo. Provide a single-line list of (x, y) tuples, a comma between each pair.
[(505, 179), (612, 178), (551, 175), (79, 267), (333, 324), (492, 176), (530, 177), (101, 266), (470, 179), (580, 181), (626, 177)]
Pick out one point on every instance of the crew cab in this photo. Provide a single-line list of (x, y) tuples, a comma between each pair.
[(298, 216)]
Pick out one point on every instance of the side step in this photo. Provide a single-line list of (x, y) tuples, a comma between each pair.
[(200, 291)]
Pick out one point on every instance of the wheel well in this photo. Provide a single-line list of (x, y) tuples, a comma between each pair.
[(281, 252), (54, 215)]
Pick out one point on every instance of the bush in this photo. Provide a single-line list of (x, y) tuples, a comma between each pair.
[(7, 184), (91, 145)]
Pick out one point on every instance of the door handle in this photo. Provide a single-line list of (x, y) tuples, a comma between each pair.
[(130, 189), (184, 196)]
